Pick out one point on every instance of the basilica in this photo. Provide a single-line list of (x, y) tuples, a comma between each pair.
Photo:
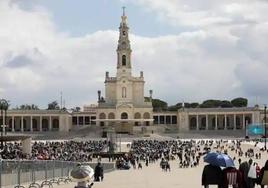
[(124, 103), (124, 107)]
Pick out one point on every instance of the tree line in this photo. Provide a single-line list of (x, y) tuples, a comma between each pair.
[(51, 106), (160, 105)]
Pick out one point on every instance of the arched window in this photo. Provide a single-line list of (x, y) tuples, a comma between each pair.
[(124, 92), (137, 115), (111, 116), (146, 115), (124, 115), (124, 60), (102, 116)]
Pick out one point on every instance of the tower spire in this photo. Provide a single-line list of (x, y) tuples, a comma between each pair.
[(123, 10), (123, 48)]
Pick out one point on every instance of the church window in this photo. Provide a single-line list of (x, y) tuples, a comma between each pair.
[(124, 33), (124, 61), (124, 115), (124, 92)]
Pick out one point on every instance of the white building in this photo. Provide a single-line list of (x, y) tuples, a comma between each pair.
[(124, 103)]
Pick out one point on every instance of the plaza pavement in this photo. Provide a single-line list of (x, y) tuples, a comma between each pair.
[(154, 177)]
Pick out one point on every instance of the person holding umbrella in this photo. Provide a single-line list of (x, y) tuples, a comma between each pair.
[(212, 173)]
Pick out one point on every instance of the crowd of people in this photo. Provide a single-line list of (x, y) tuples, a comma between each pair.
[(246, 176), (185, 153), (64, 151), (188, 154)]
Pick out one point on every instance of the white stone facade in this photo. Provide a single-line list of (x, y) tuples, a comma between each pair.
[(124, 94)]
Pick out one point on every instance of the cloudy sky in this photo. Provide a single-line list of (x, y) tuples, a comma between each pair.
[(189, 50)]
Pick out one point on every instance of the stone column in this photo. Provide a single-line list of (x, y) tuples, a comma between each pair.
[(244, 124), (216, 122), (22, 124), (206, 121), (84, 120), (31, 123), (253, 118), (13, 124), (50, 123), (225, 122), (40, 124), (165, 119), (77, 120), (197, 122), (234, 121)]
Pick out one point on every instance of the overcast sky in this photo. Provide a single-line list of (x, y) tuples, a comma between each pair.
[(189, 50)]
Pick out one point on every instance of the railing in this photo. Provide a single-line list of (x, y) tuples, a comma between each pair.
[(38, 173)]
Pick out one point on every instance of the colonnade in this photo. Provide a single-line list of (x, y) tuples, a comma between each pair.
[(165, 119), (219, 121), (30, 123), (83, 120)]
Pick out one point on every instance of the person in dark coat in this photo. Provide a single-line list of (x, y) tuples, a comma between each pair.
[(244, 168), (98, 172), (212, 175), (265, 168)]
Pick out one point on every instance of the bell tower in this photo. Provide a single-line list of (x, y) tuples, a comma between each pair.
[(123, 48)]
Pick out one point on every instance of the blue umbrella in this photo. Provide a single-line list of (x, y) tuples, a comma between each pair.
[(219, 159)]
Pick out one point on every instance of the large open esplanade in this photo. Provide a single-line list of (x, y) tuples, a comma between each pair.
[(125, 108)]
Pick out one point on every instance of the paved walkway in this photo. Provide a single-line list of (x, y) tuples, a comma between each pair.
[(154, 177)]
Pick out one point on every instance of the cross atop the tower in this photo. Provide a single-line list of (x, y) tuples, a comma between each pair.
[(123, 10)]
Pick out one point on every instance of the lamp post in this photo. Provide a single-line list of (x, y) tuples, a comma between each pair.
[(265, 132), (246, 130), (3, 107)]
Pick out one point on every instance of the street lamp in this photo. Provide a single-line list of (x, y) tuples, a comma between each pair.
[(246, 130), (3, 107), (265, 132)]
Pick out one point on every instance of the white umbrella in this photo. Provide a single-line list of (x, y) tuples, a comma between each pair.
[(82, 173)]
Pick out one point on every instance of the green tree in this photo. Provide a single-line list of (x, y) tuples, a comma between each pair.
[(147, 99), (53, 106), (240, 102), (211, 103), (194, 105), (226, 104), (28, 107), (172, 108), (159, 105)]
